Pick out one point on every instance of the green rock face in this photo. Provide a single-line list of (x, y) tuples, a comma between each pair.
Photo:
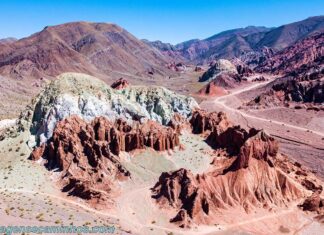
[(88, 97)]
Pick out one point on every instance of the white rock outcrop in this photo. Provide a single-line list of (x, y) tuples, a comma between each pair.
[(89, 97)]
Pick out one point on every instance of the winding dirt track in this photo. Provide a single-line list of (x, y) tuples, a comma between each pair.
[(222, 101)]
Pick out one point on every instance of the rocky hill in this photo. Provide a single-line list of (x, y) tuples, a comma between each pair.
[(78, 115), (167, 49), (228, 44), (286, 35), (223, 75), (93, 48), (301, 72), (7, 41), (88, 97), (306, 54), (250, 43), (247, 174)]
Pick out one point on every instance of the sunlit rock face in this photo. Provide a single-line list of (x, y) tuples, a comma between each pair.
[(87, 97)]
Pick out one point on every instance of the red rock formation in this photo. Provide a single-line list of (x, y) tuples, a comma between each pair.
[(237, 141), (313, 203), (310, 185), (198, 198), (120, 84), (211, 89), (303, 54), (81, 152), (301, 67), (38, 153), (202, 121), (259, 145), (226, 80), (234, 139), (178, 123), (249, 180), (231, 138), (86, 152)]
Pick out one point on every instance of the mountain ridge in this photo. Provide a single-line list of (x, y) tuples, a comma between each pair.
[(247, 39), (94, 48)]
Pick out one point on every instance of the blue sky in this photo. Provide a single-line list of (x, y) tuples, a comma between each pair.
[(170, 21)]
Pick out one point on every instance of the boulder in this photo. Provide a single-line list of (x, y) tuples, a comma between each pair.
[(313, 203), (120, 84)]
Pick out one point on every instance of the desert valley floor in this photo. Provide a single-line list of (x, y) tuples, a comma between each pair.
[(35, 198), (223, 135)]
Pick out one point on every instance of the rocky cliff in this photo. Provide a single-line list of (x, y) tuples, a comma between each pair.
[(298, 59), (301, 71), (92, 48), (245, 175), (88, 167), (86, 154), (88, 97), (79, 125)]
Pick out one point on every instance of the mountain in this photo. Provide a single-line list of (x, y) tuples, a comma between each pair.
[(7, 40), (227, 44), (167, 49), (286, 35), (93, 48), (301, 70), (249, 43), (306, 53)]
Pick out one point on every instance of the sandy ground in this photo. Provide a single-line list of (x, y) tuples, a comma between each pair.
[(5, 123)]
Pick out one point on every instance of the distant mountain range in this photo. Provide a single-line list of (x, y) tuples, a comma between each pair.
[(94, 48), (107, 50), (238, 42)]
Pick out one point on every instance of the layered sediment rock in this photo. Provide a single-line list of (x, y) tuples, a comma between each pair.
[(198, 198), (179, 123), (202, 121), (297, 58), (302, 71), (80, 152), (211, 89), (217, 68), (86, 153), (249, 180), (88, 97), (237, 141)]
